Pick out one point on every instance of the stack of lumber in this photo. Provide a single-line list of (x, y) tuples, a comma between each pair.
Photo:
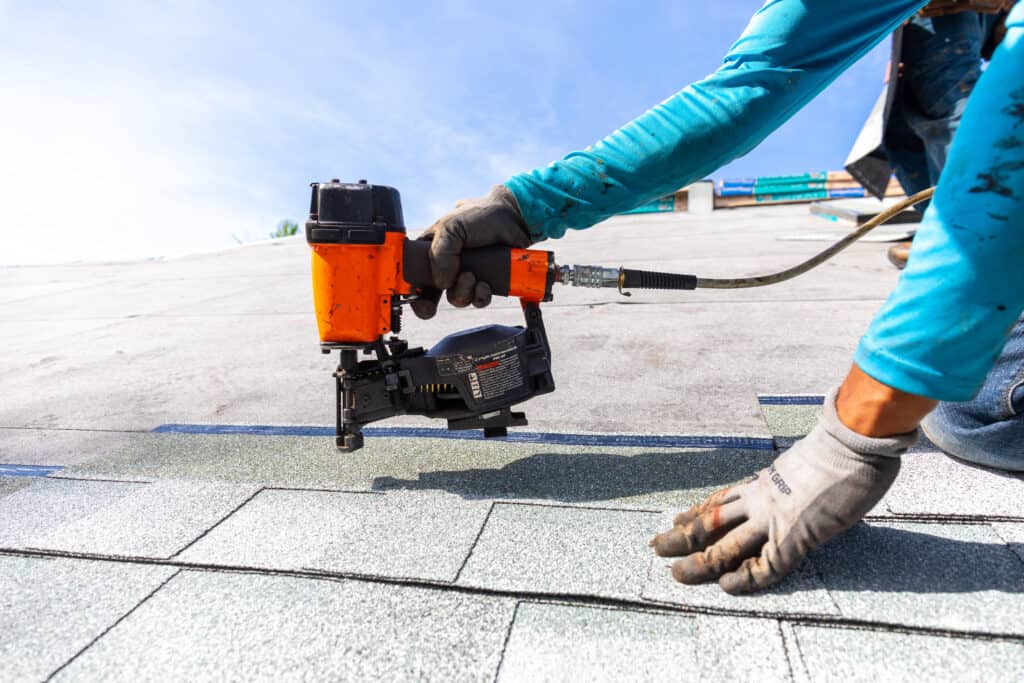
[(807, 187)]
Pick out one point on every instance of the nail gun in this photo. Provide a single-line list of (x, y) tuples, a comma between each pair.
[(364, 269)]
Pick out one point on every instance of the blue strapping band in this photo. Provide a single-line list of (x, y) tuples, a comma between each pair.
[(791, 400), (555, 438), (28, 470)]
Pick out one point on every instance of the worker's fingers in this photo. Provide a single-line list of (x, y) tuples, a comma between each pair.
[(699, 532), (723, 556), (757, 573), (460, 294), (425, 305), (481, 294), (448, 242), (720, 497)]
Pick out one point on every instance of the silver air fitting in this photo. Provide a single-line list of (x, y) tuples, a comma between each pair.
[(588, 276)]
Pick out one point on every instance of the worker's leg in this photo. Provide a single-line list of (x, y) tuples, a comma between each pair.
[(988, 430), (941, 65), (905, 149)]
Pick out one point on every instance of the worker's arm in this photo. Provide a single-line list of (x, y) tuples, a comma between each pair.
[(789, 52), (936, 337)]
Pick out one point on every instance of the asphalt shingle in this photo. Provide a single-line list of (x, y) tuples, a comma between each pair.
[(954, 576), (52, 608), (933, 483), (155, 520), (802, 592), (11, 484), (787, 423), (561, 550), (394, 535), (842, 654), (561, 642), (1013, 535), (49, 504), (648, 477), (224, 626), (740, 649)]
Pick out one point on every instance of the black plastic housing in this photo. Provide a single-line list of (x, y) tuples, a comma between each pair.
[(471, 378), (353, 213)]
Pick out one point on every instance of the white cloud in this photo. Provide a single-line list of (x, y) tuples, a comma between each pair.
[(133, 130)]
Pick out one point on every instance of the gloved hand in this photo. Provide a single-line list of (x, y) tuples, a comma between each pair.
[(494, 219), (751, 535)]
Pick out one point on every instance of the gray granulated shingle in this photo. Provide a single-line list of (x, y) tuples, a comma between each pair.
[(802, 592), (934, 483), (562, 642), (48, 504), (790, 422), (654, 477), (533, 548), (842, 654), (226, 626), (423, 536), (953, 576), (1013, 534), (740, 649), (52, 608), (12, 484), (156, 520)]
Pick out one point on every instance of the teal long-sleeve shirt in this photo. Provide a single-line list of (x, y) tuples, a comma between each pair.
[(942, 328)]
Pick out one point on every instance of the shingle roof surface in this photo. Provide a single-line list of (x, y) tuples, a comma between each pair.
[(131, 555)]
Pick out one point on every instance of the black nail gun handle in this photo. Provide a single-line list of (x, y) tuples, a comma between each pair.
[(524, 273)]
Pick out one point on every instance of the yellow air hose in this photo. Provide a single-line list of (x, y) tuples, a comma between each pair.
[(800, 269)]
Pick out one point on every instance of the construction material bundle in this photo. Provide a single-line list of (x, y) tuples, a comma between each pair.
[(806, 187)]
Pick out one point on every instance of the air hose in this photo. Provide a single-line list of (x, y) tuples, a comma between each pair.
[(625, 278)]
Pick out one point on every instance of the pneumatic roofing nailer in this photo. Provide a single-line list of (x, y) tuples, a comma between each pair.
[(364, 269)]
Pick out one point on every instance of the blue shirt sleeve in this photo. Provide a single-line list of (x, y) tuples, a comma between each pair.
[(942, 328), (788, 53)]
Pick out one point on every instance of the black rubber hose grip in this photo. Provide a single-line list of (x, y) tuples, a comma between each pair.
[(647, 279)]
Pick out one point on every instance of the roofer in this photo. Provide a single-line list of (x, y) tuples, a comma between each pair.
[(954, 316)]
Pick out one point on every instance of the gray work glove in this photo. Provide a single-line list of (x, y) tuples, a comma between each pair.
[(490, 220), (751, 535)]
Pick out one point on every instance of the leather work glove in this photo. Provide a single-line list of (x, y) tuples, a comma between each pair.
[(494, 219), (751, 535)]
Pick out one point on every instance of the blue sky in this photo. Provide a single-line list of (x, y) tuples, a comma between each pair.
[(144, 129)]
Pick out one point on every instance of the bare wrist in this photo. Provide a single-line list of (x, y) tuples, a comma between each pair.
[(874, 409)]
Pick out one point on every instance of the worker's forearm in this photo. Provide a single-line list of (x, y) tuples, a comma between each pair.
[(942, 328), (871, 408), (789, 52)]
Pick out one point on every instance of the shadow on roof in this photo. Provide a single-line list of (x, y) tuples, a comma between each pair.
[(578, 478)]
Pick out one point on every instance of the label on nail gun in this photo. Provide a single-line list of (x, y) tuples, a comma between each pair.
[(490, 375)]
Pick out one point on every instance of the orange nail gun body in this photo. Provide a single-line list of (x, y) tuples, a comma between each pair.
[(364, 269)]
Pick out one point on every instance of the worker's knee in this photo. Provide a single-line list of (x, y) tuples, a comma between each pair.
[(998, 444), (989, 429)]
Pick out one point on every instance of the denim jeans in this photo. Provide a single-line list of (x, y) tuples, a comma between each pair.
[(988, 430), (941, 59)]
